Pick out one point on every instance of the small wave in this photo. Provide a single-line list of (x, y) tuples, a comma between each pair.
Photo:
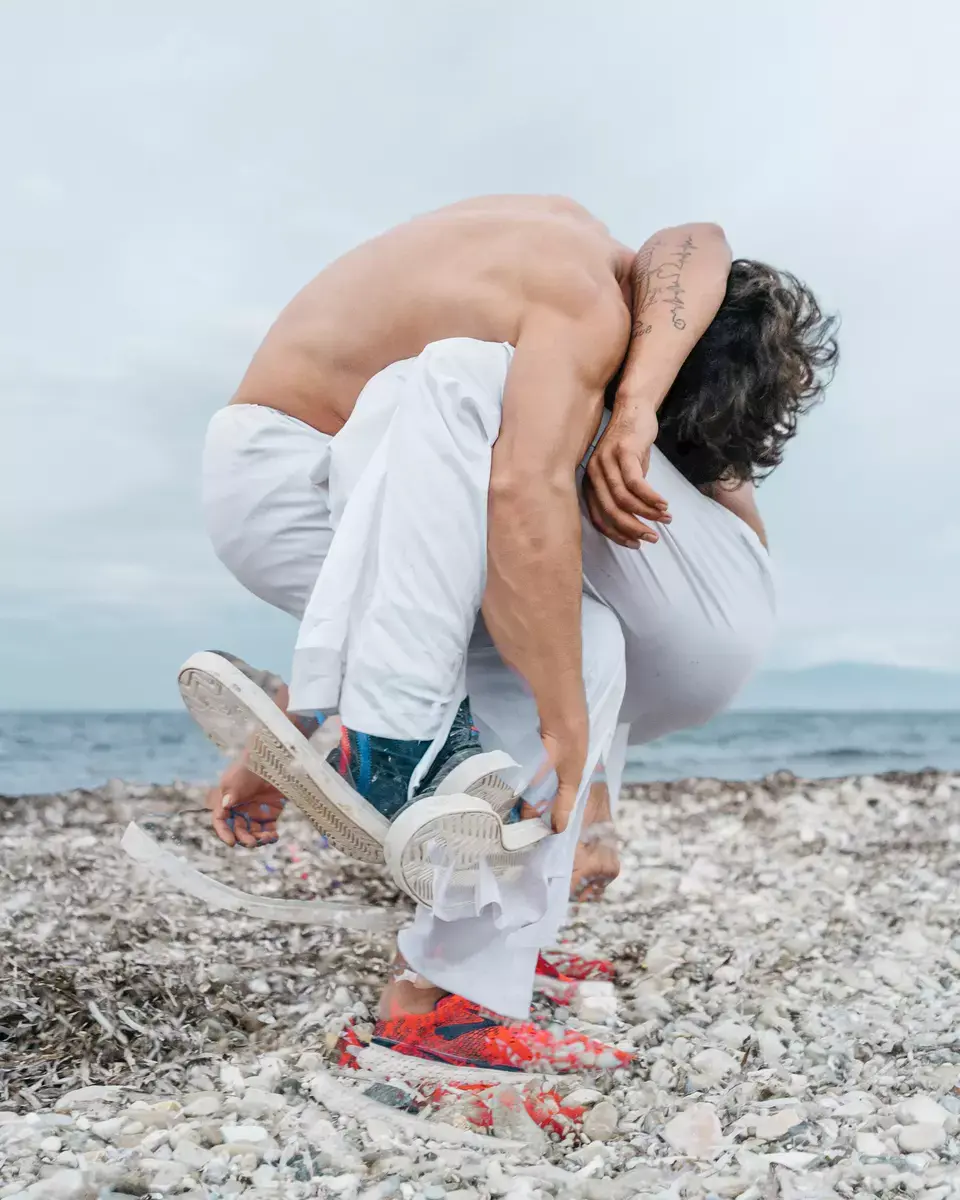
[(852, 752)]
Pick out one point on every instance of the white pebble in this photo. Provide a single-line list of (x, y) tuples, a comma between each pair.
[(204, 1106), (109, 1129), (771, 1048), (85, 1096), (581, 1097), (244, 1133), (695, 1132), (775, 1125), (921, 1110), (258, 1103), (595, 1005), (231, 1078), (339, 1184), (855, 1104), (153, 1139), (191, 1155), (731, 1034), (168, 1176), (664, 956), (61, 1185), (713, 1066), (216, 1171), (913, 1138), (870, 1145)]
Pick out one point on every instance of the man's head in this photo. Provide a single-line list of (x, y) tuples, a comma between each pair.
[(765, 359)]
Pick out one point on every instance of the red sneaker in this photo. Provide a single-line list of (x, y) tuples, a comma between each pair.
[(575, 966), (462, 1041), (562, 975)]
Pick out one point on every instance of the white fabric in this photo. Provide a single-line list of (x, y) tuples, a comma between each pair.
[(385, 632), (615, 764), (376, 538)]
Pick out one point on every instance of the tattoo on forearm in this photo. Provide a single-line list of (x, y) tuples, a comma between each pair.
[(660, 285)]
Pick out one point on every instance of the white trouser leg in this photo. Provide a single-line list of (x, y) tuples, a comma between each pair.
[(490, 958), (398, 596), (615, 765), (386, 632)]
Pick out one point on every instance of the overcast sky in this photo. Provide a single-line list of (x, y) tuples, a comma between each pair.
[(173, 172)]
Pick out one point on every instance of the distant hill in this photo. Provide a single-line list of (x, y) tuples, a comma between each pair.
[(853, 686)]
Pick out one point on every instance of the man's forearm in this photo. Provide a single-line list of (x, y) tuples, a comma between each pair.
[(533, 597), (552, 404), (680, 277)]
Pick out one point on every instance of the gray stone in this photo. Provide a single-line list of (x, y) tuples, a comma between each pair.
[(600, 1123)]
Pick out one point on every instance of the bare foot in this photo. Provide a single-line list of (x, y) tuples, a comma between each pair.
[(596, 862), (407, 992)]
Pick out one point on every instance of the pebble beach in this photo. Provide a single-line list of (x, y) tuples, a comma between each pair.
[(788, 958)]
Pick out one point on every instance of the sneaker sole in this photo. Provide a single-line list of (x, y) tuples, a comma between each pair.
[(461, 837), (222, 700), (164, 862), (414, 1069), (482, 777), (566, 991)]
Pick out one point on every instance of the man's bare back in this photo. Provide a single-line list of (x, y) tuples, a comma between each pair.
[(473, 269)]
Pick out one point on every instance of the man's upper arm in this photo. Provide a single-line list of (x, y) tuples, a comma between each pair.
[(553, 398)]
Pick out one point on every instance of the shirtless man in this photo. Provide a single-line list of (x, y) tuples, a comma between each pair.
[(485, 339)]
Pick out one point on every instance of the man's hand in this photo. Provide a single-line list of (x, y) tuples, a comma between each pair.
[(244, 808), (616, 492), (566, 754)]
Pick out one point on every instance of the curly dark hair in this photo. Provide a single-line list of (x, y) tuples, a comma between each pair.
[(764, 360)]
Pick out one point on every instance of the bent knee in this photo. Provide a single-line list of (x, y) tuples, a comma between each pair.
[(459, 374)]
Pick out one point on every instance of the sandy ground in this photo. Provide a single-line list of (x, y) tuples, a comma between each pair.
[(789, 962)]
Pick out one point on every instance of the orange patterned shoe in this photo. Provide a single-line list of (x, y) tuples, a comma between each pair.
[(459, 1040), (575, 977), (575, 966)]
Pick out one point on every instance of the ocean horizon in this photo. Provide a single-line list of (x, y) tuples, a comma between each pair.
[(42, 752)]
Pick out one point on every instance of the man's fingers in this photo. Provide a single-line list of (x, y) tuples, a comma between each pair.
[(240, 823), (631, 491), (268, 833), (602, 523), (626, 524), (221, 827), (599, 519), (631, 471)]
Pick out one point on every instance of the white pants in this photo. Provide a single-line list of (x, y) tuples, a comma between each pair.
[(376, 541)]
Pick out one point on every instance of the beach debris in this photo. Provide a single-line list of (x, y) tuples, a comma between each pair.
[(794, 1024)]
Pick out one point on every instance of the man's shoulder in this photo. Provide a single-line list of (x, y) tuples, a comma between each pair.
[(518, 202)]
